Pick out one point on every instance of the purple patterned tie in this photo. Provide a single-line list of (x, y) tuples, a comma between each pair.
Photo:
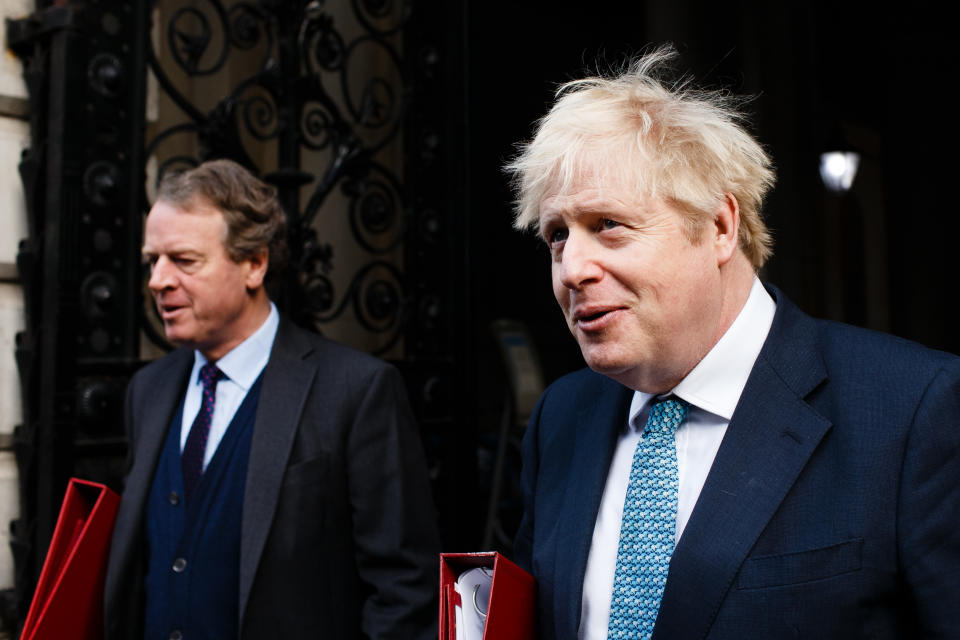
[(192, 457)]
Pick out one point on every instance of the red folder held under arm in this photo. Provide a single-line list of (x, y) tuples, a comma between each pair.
[(68, 602), (511, 612)]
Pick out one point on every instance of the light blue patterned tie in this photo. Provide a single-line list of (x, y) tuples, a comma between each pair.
[(649, 525)]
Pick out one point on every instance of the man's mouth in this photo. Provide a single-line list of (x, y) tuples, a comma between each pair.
[(594, 318), (168, 309)]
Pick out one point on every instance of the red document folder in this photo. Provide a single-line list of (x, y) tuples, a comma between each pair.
[(68, 602), (511, 613)]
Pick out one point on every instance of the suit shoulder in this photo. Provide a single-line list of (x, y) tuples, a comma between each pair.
[(861, 367), (322, 352), (851, 349), (805, 350)]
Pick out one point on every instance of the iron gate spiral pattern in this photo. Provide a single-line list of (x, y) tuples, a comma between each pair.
[(317, 110)]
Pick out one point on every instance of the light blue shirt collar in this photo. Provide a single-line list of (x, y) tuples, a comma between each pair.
[(243, 364)]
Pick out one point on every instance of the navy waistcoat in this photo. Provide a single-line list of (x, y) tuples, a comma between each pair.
[(193, 550)]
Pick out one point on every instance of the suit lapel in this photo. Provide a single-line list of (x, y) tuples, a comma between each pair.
[(770, 438), (287, 380), (597, 427)]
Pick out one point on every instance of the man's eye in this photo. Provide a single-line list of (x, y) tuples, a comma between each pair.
[(607, 223), (556, 235)]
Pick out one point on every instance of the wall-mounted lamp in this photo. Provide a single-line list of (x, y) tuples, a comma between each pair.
[(838, 169)]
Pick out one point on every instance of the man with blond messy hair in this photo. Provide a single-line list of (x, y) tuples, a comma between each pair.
[(727, 467)]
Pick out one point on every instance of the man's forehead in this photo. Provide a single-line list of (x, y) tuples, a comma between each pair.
[(173, 226), (591, 195)]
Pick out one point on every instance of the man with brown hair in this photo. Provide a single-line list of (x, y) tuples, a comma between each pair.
[(276, 485)]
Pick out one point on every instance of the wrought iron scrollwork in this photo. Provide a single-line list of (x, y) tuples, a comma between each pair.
[(248, 26), (375, 215), (189, 37), (319, 102)]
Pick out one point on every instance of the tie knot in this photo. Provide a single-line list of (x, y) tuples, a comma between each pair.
[(666, 415), (210, 375)]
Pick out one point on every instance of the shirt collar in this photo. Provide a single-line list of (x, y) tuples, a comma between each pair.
[(716, 383), (244, 362)]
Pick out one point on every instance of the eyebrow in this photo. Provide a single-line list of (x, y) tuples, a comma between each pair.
[(146, 253)]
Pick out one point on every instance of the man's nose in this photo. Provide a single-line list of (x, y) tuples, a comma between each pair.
[(161, 275), (579, 261)]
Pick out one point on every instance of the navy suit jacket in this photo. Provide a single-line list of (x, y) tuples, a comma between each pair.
[(832, 509), (338, 536)]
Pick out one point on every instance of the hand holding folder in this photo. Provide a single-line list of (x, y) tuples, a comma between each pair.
[(68, 602)]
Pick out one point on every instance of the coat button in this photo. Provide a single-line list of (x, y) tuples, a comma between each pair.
[(176, 635), (174, 498), (179, 565)]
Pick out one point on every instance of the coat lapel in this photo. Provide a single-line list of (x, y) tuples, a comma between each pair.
[(770, 438), (598, 426), (287, 380)]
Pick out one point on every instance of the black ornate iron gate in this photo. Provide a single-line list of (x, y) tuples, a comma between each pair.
[(360, 129)]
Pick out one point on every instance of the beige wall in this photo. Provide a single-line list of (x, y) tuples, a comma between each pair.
[(14, 136)]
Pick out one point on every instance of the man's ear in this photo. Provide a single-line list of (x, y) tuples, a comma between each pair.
[(726, 228), (257, 269)]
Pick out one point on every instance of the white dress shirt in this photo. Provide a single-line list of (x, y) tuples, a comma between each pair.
[(241, 367), (713, 390)]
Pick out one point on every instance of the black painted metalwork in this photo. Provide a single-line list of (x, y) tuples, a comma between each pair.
[(79, 264)]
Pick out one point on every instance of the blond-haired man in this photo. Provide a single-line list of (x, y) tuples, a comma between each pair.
[(727, 467)]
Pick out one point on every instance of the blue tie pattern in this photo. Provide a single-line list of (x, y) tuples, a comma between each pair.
[(649, 525), (191, 459)]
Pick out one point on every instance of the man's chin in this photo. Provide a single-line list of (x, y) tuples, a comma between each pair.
[(609, 364), (174, 336)]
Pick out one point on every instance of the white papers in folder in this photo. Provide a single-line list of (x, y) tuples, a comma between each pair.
[(473, 586)]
